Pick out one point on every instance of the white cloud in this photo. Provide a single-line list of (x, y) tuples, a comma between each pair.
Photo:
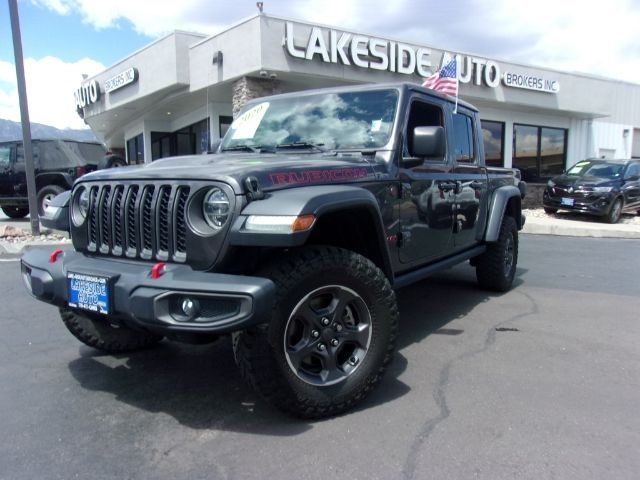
[(50, 86), (590, 36)]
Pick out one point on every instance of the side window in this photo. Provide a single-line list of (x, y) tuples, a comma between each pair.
[(20, 154), (634, 169), (422, 114), (463, 138), (5, 157)]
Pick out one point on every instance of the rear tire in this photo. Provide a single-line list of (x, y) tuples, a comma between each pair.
[(45, 195), (331, 335), (496, 268), (550, 211), (15, 212), (101, 335)]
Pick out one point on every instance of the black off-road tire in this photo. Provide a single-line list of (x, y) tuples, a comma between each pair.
[(615, 212), (45, 195), (101, 335), (496, 268), (16, 212), (261, 352), (550, 211)]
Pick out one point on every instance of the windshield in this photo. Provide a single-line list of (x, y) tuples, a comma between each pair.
[(334, 121), (596, 169)]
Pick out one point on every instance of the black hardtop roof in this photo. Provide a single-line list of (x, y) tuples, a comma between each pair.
[(406, 86), (609, 160), (44, 139)]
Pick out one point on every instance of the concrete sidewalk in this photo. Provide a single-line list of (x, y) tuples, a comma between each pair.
[(577, 225)]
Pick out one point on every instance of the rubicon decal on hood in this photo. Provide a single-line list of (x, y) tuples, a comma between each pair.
[(317, 176)]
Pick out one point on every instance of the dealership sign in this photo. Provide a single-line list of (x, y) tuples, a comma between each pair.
[(332, 46), (87, 94), (122, 79)]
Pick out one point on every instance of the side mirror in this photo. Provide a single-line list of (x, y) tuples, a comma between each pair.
[(56, 215), (428, 142), (632, 178)]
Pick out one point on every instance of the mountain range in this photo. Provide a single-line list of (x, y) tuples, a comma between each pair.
[(10, 130)]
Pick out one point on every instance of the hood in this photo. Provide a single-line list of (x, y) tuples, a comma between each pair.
[(583, 181), (273, 171)]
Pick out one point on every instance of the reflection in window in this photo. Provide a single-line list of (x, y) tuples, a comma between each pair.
[(463, 137), (539, 152), (493, 141), (5, 157), (352, 120), (552, 150), (135, 150)]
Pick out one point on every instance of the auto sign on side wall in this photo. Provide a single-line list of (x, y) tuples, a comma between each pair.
[(122, 79)]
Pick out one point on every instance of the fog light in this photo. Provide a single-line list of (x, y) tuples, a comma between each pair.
[(190, 308)]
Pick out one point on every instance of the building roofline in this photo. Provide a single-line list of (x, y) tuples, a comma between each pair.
[(147, 46)]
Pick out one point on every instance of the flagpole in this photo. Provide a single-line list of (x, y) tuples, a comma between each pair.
[(455, 109)]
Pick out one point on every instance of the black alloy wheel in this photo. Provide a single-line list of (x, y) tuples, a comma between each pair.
[(615, 212), (327, 335)]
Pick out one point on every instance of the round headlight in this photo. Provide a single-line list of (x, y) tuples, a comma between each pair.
[(216, 208), (80, 206)]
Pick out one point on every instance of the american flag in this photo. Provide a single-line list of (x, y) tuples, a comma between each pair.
[(445, 80)]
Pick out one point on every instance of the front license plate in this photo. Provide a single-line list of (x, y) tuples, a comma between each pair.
[(88, 292), (566, 201)]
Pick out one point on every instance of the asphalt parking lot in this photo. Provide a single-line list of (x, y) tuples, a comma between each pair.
[(541, 382)]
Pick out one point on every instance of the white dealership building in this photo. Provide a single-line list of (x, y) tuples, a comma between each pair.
[(178, 94)]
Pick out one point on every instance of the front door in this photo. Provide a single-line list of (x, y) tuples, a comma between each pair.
[(426, 210)]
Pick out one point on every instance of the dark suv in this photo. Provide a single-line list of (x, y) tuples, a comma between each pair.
[(606, 188), (57, 163)]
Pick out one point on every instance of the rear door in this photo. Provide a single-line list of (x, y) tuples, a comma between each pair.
[(7, 157), (470, 176)]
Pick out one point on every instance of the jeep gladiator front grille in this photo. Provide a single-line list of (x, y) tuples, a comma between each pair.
[(134, 220)]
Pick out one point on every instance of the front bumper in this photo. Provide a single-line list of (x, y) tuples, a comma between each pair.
[(226, 302), (591, 203)]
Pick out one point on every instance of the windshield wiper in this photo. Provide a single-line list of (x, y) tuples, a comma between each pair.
[(302, 145), (241, 148)]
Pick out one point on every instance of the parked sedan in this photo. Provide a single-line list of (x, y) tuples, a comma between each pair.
[(605, 188)]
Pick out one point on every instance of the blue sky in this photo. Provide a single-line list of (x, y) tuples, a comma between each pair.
[(67, 37), (62, 39)]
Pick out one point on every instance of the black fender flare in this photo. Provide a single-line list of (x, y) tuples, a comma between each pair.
[(318, 200), (61, 179), (497, 208)]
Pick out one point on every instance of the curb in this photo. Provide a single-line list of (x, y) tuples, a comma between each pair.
[(574, 229), (19, 248)]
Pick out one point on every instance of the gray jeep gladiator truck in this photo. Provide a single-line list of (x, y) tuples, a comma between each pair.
[(291, 238)]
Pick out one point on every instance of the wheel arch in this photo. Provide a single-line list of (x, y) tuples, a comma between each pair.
[(506, 200), (63, 180), (345, 216)]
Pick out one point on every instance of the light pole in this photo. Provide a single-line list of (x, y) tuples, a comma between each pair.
[(24, 117)]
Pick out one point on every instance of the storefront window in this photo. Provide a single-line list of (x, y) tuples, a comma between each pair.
[(225, 123), (135, 150), (493, 139), (552, 151), (539, 152), (190, 140)]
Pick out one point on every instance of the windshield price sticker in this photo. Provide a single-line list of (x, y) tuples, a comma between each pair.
[(88, 292), (245, 126)]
